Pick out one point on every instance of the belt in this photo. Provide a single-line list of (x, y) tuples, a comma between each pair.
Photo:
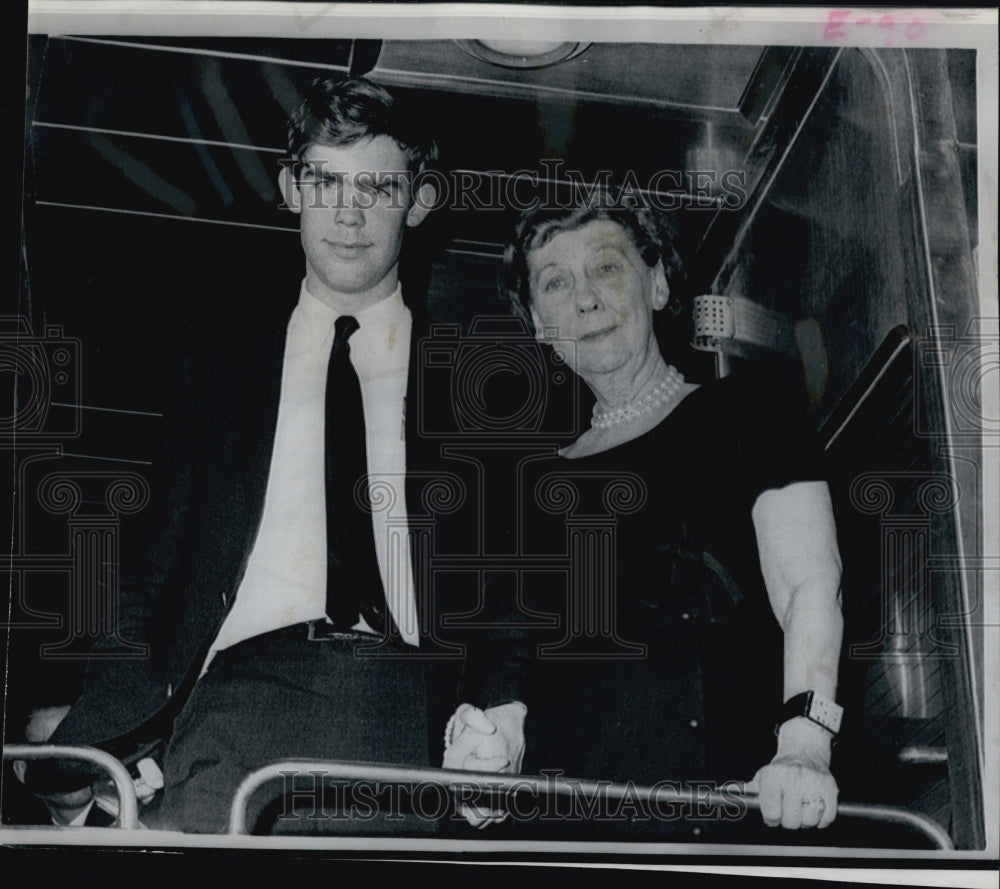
[(320, 630), (318, 635)]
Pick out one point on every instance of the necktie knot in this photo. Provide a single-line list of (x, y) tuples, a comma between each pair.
[(343, 327)]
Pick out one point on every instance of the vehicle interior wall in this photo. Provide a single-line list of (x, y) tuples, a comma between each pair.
[(838, 247)]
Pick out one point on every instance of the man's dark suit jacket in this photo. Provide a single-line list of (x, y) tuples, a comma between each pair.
[(208, 496)]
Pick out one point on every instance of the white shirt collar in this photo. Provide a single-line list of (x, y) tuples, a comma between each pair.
[(381, 344)]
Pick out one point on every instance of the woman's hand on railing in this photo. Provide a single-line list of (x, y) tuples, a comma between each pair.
[(796, 788)]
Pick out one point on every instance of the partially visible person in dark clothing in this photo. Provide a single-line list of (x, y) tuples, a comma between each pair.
[(703, 589)]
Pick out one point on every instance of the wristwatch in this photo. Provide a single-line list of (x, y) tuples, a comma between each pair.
[(813, 707)]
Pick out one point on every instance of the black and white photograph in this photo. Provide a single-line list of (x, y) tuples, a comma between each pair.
[(534, 432)]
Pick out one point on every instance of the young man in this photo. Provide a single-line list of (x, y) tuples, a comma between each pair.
[(286, 595)]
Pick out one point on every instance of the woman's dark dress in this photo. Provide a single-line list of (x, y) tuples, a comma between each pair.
[(687, 687)]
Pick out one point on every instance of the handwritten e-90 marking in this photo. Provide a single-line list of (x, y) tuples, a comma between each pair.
[(838, 19)]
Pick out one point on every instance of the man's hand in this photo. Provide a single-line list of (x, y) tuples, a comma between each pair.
[(68, 807), (149, 781), (64, 807), (796, 788), (485, 741)]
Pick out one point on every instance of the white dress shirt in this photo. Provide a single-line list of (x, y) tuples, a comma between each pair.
[(285, 579)]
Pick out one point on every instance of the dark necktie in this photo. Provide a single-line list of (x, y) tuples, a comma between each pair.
[(353, 584)]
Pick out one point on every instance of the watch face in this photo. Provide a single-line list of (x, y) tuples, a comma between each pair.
[(826, 712), (814, 707)]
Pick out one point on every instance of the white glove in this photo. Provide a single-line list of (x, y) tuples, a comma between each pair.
[(485, 741)]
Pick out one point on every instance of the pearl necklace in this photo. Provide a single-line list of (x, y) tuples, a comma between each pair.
[(659, 395)]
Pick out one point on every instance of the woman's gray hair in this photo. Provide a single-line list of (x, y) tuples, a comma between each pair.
[(651, 233)]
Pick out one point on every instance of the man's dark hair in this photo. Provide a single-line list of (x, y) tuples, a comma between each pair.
[(344, 110)]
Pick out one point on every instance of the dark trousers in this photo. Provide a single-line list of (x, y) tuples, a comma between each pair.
[(284, 695)]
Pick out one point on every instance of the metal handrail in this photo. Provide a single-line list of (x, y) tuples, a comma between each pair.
[(454, 779), (128, 804)]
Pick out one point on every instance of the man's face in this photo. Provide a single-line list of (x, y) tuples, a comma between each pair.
[(355, 204)]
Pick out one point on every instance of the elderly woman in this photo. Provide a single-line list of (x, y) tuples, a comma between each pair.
[(717, 546)]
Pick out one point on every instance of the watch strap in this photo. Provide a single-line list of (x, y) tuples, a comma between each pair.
[(815, 708)]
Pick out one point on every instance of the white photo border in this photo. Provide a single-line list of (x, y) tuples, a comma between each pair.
[(805, 26)]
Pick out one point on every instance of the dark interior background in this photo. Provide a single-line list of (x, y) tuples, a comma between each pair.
[(151, 222)]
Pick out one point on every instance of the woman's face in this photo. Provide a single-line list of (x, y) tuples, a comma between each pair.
[(592, 286)]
